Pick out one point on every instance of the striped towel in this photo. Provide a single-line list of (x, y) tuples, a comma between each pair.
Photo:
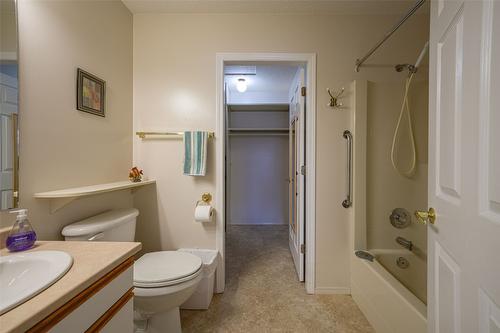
[(195, 153)]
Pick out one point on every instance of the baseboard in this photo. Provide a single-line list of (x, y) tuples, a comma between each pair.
[(332, 290)]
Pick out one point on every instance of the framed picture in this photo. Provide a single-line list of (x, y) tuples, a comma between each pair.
[(90, 93)]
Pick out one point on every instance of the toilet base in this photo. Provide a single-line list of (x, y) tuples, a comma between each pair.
[(162, 322)]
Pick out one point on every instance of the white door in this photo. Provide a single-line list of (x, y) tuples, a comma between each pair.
[(464, 167), (297, 179), (8, 150)]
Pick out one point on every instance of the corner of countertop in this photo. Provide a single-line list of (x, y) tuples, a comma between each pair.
[(3, 236), (84, 272)]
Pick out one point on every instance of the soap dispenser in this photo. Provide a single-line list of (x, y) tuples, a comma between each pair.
[(22, 236)]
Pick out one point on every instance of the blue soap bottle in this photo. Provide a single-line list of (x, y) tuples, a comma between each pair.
[(22, 236)]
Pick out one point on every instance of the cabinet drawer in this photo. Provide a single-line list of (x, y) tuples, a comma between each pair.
[(86, 314), (122, 320), (87, 308)]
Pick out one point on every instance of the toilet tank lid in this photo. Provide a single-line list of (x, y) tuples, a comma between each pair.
[(101, 222)]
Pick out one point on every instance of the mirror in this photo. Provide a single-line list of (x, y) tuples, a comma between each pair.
[(9, 101)]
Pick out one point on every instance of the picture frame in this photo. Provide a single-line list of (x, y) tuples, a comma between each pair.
[(90, 93)]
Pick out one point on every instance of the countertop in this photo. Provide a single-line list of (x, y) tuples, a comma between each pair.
[(91, 261)]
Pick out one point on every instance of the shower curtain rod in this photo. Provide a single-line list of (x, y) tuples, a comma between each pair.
[(411, 11)]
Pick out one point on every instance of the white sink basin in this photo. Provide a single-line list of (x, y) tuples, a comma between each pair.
[(23, 275)]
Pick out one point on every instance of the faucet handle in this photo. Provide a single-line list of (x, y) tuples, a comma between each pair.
[(426, 216)]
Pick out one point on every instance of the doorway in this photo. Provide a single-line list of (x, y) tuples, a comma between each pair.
[(265, 142)]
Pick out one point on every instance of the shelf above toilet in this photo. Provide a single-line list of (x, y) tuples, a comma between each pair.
[(61, 198)]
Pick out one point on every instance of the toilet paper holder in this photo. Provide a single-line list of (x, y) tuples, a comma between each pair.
[(204, 211), (206, 199)]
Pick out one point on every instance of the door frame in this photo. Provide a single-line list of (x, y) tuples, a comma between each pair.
[(309, 59)]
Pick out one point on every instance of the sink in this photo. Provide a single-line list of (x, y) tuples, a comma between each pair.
[(23, 275)]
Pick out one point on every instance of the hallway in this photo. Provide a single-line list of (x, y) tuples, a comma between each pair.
[(263, 294)]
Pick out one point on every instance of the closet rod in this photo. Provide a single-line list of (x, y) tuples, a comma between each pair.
[(258, 134), (233, 129)]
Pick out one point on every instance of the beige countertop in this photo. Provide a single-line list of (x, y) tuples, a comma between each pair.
[(91, 261)]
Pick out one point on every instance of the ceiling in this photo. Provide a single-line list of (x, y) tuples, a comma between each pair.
[(270, 79), (341, 7)]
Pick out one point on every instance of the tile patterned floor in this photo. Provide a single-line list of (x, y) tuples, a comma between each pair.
[(263, 294)]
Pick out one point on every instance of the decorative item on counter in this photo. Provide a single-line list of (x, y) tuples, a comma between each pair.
[(135, 175)]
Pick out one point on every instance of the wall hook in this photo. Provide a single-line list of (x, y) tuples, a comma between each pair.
[(334, 98)]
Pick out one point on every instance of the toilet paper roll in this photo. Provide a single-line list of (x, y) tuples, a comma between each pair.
[(203, 213)]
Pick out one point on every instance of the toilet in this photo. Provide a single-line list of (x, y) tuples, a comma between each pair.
[(163, 280)]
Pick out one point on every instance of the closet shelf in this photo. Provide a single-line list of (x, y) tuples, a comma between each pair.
[(274, 107), (243, 129), (61, 198)]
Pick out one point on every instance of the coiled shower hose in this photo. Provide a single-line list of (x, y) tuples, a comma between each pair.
[(405, 107)]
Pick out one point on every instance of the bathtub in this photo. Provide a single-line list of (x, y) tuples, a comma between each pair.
[(388, 302), (414, 277)]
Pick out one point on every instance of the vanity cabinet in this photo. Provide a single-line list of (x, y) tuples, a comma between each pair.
[(105, 306)]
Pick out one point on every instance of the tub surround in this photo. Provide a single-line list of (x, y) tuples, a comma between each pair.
[(91, 262), (386, 300)]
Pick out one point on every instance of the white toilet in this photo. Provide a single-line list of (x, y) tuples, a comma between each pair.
[(163, 280)]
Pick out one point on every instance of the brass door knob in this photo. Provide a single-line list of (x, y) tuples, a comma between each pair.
[(426, 216)]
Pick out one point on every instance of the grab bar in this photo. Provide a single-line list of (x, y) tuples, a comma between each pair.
[(348, 201)]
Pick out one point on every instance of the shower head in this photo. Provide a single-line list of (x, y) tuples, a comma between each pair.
[(402, 67)]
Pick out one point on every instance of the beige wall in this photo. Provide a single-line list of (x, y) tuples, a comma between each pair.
[(258, 186), (174, 88), (8, 32), (60, 146)]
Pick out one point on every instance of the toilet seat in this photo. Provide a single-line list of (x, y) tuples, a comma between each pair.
[(165, 268)]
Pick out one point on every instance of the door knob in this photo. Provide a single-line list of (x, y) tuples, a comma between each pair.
[(426, 216)]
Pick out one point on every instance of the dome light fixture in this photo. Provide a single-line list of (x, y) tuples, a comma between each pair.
[(241, 85)]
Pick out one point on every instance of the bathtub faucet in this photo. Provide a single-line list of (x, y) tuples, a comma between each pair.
[(407, 244)]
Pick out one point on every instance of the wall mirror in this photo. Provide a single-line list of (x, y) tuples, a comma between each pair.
[(9, 110)]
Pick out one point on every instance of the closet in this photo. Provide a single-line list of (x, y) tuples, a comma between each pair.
[(264, 126), (258, 164)]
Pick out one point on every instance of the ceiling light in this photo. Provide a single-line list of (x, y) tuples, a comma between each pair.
[(241, 85)]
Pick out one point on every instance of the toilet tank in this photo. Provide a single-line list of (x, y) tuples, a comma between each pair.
[(116, 225)]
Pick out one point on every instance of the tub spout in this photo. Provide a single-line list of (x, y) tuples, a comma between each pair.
[(364, 255), (407, 244)]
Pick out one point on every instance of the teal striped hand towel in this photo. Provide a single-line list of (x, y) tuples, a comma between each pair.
[(195, 153)]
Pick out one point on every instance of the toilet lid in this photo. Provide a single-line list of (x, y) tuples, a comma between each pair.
[(163, 268)]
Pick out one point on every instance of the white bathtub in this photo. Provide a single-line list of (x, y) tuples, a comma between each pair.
[(385, 301), (414, 277)]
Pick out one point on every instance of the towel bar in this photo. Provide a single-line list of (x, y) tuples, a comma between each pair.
[(143, 135)]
